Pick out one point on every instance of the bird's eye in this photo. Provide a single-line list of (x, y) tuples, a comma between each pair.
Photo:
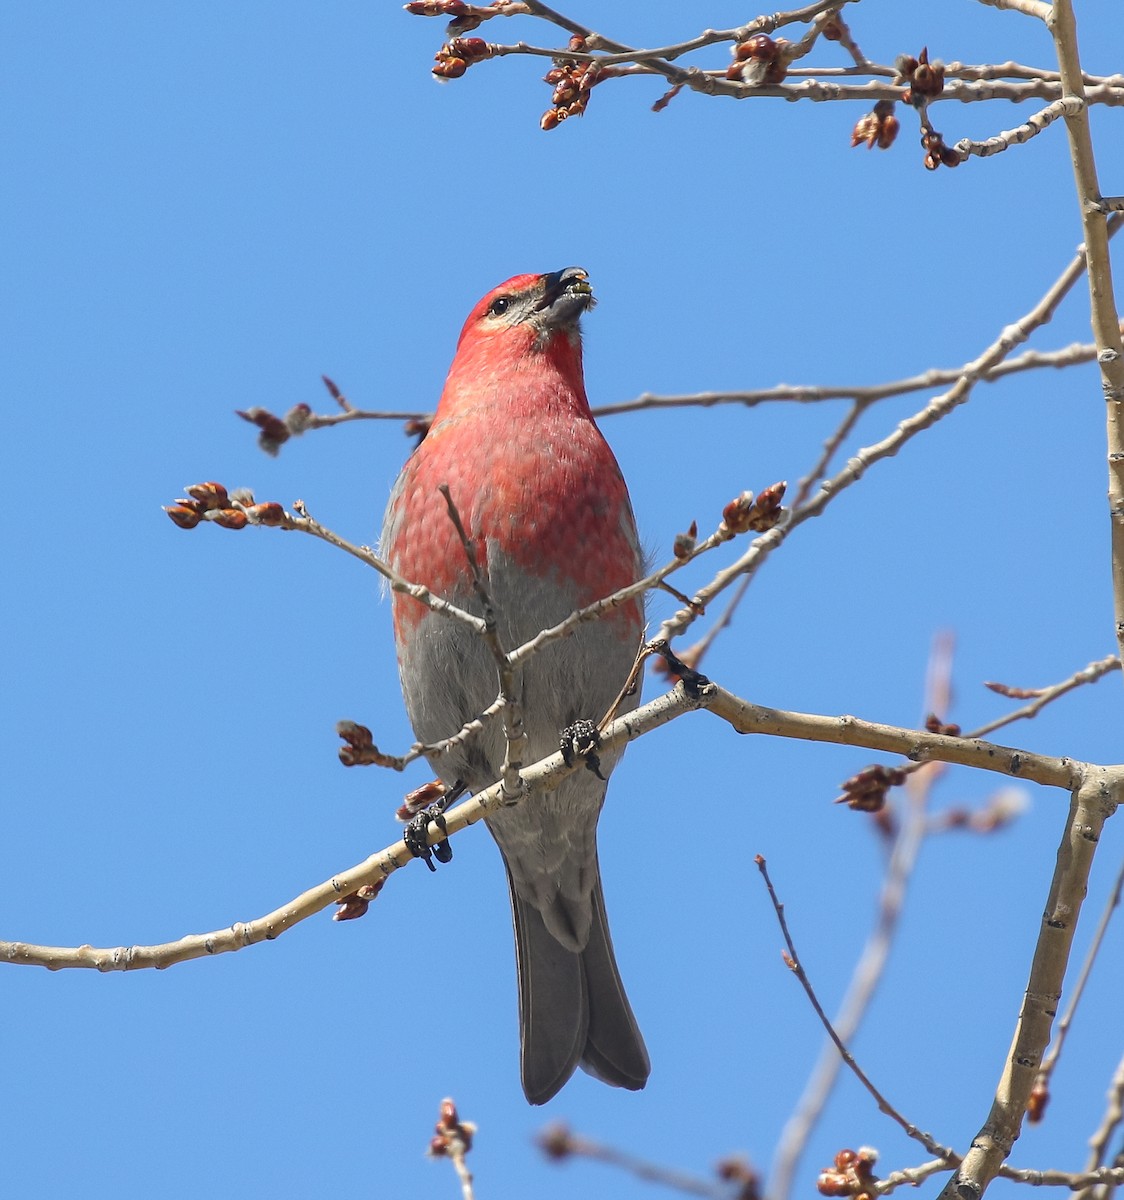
[(499, 306)]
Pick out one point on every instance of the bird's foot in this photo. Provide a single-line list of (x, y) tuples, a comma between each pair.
[(416, 833), (581, 740)]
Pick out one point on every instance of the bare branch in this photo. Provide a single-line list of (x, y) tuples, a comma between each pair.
[(1092, 803), (1066, 1021), (1105, 319), (545, 776)]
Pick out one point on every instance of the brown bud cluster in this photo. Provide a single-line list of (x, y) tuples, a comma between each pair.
[(866, 791), (760, 61), (572, 84), (876, 128), (933, 724), (937, 154), (1039, 1098), (851, 1175), (455, 57), (202, 500), (739, 1171), (353, 906), (746, 512), (275, 430), (451, 1135), (359, 749), (925, 78), (233, 510)]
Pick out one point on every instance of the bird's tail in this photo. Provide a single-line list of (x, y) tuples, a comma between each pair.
[(572, 1007)]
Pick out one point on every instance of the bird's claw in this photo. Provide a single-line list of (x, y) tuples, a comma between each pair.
[(581, 740), (416, 834), (694, 682)]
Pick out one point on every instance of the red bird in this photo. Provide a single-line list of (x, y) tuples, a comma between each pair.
[(543, 501)]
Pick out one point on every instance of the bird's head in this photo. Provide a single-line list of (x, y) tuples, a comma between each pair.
[(531, 311)]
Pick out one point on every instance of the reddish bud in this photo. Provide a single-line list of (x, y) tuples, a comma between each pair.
[(230, 518), (736, 514), (269, 513), (422, 797), (185, 518), (878, 128), (209, 495), (739, 1171), (760, 46), (577, 43), (866, 791), (450, 68), (556, 1141), (465, 24), (353, 906), (1039, 1098), (685, 543), (470, 49), (832, 1183), (436, 8)]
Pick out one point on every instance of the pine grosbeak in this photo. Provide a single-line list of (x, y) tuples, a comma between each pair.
[(543, 501)]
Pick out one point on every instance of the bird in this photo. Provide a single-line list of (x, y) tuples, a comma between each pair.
[(544, 504)]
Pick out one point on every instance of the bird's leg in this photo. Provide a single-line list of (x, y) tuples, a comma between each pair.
[(581, 740), (416, 833)]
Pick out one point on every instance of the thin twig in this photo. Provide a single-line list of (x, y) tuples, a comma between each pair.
[(871, 965), (1065, 106), (1111, 1122), (559, 1144), (515, 733), (793, 962)]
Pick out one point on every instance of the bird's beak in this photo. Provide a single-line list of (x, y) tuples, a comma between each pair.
[(565, 296)]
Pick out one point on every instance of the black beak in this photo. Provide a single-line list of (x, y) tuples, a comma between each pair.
[(566, 295)]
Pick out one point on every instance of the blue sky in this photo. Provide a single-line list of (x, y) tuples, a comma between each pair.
[(207, 207)]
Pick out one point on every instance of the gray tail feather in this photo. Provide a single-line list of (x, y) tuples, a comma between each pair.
[(572, 1008)]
